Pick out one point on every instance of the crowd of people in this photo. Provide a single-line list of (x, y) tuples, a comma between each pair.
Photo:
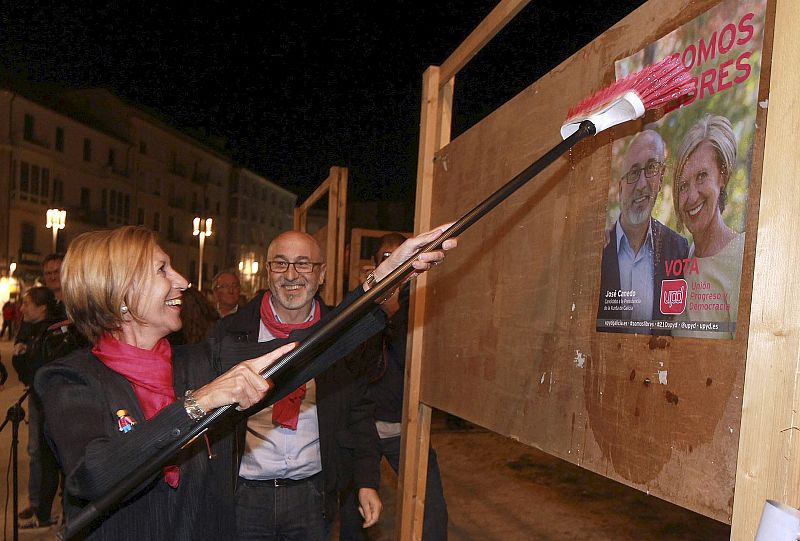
[(116, 337)]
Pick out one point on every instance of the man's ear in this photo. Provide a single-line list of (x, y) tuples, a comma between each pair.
[(322, 269)]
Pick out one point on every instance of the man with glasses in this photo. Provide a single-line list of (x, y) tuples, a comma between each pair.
[(318, 442), (226, 288), (634, 259)]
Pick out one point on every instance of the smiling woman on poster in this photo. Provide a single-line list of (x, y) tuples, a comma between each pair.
[(705, 162)]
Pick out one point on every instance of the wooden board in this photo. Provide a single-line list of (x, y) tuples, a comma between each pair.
[(510, 320)]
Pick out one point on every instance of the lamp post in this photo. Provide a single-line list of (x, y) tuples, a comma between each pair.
[(56, 219), (201, 234)]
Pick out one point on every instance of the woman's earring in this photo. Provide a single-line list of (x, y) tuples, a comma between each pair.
[(123, 309)]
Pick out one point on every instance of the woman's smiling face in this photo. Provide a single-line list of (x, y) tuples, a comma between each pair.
[(700, 185), (159, 305)]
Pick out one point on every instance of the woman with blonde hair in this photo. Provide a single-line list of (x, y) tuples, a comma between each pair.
[(111, 408), (705, 163)]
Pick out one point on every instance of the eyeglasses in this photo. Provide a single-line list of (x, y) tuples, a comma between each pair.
[(651, 169), (303, 267), (229, 287)]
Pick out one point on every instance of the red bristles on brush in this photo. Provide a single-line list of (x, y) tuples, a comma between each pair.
[(629, 98)]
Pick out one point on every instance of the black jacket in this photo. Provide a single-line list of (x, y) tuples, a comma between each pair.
[(81, 397), (348, 439)]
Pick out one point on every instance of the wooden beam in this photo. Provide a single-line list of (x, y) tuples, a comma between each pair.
[(329, 287), (769, 446), (434, 134), (497, 19), (341, 216)]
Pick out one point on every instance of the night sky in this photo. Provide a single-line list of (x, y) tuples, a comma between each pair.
[(295, 87)]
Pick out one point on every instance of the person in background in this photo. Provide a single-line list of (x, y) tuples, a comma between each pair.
[(9, 313), (226, 289), (40, 310), (51, 269), (198, 316), (382, 359)]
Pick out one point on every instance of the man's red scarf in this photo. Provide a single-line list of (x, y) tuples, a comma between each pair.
[(150, 374), (286, 411)]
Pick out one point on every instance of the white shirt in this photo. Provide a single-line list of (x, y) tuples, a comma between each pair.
[(275, 452), (636, 273)]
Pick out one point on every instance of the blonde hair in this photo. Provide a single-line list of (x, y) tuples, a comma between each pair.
[(101, 272), (718, 131)]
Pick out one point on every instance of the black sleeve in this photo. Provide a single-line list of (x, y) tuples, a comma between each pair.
[(94, 455), (366, 448)]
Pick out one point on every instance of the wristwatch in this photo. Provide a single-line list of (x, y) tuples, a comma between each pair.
[(193, 409)]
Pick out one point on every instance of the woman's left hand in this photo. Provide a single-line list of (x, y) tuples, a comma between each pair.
[(422, 262)]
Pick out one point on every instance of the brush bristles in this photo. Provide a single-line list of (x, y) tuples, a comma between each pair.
[(655, 85)]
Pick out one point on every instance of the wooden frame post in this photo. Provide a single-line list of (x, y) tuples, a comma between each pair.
[(336, 188), (434, 134), (435, 128), (768, 464)]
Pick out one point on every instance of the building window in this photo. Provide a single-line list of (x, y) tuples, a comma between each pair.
[(28, 133), (140, 217), (142, 147), (58, 190), (59, 139), (87, 149), (112, 207), (45, 192), (156, 222), (24, 177), (27, 241), (126, 208), (112, 155), (35, 179), (86, 199)]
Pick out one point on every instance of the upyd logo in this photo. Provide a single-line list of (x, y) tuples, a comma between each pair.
[(673, 296)]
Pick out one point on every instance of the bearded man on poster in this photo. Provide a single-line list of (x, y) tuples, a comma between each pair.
[(634, 259)]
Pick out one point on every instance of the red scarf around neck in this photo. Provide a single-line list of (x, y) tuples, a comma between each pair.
[(286, 411), (150, 374)]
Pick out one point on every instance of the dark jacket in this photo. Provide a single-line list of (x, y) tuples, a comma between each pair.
[(348, 439), (382, 361), (81, 397), (667, 246), (48, 340)]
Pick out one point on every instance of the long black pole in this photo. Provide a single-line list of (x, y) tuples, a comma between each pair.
[(306, 349)]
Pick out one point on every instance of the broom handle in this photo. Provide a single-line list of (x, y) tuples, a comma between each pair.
[(304, 351)]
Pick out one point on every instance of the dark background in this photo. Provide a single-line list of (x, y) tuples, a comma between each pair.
[(295, 87)]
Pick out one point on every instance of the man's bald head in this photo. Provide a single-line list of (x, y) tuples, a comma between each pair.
[(293, 291)]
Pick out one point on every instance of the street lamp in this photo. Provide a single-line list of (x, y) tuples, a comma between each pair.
[(56, 219), (201, 234)]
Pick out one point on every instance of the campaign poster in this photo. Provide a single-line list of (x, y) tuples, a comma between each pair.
[(677, 200)]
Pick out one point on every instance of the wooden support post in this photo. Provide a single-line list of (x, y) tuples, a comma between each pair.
[(328, 288), (434, 133), (769, 446), (336, 188)]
